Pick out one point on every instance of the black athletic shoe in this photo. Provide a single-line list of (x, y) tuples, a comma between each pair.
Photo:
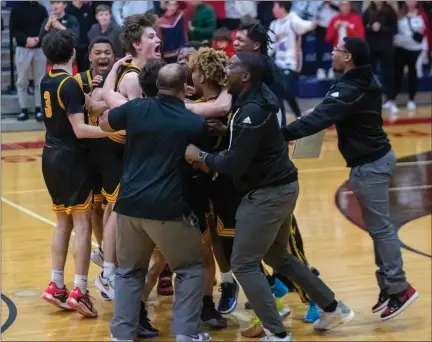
[(145, 329), (210, 317), (383, 300), (228, 299)]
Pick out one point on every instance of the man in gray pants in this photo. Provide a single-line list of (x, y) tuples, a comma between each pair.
[(152, 205), (257, 159), (354, 104)]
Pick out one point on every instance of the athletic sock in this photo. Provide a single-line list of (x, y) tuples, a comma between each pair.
[(109, 270), (58, 278), (81, 283), (227, 277), (331, 307)]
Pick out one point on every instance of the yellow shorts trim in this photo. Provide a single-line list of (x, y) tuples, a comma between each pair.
[(118, 138), (98, 198), (79, 208), (111, 198)]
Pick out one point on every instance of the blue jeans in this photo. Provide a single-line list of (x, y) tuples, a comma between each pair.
[(370, 183)]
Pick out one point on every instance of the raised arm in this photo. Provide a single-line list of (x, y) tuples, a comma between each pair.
[(216, 109)]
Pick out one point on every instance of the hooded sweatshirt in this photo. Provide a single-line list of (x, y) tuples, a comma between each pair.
[(354, 104), (257, 155)]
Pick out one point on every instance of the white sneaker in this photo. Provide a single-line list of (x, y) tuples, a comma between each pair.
[(321, 74), (411, 106), (105, 285), (270, 337), (119, 339), (201, 337), (97, 256), (330, 320)]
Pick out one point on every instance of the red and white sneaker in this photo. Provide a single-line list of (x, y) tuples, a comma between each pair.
[(56, 296), (82, 303), (399, 302)]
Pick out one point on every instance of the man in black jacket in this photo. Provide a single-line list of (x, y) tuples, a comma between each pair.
[(25, 23), (353, 104), (258, 161)]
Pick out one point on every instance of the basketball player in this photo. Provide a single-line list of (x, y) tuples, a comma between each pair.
[(66, 171), (257, 160), (354, 105), (101, 57), (141, 41)]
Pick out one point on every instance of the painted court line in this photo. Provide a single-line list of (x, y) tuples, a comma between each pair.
[(402, 188), (36, 216), (23, 191)]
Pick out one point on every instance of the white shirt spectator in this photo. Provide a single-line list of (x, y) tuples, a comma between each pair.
[(123, 9), (404, 37), (238, 9), (286, 46), (321, 10)]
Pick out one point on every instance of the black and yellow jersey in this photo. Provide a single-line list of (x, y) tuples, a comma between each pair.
[(124, 69), (218, 143), (84, 80), (61, 96)]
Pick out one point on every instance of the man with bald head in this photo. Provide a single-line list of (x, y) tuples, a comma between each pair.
[(152, 204)]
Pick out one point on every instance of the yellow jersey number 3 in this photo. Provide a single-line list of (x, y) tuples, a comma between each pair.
[(48, 109)]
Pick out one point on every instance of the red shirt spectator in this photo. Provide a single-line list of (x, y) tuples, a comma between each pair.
[(346, 24), (223, 39)]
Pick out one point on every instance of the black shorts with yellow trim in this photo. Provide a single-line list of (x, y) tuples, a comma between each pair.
[(96, 171), (224, 201), (110, 161), (199, 199), (68, 179)]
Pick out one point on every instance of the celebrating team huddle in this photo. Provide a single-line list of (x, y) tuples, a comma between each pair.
[(179, 164)]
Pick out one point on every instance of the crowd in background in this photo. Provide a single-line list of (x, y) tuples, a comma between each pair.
[(398, 33)]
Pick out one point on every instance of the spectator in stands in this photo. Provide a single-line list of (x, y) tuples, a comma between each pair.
[(172, 29), (219, 7), (84, 14), (380, 22), (423, 58), (123, 9), (286, 32), (107, 27), (235, 10), (223, 41), (203, 23), (410, 41), (59, 20), (25, 23), (346, 24)]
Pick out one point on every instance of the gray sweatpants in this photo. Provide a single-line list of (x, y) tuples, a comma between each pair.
[(262, 228), (26, 60), (180, 243), (370, 183)]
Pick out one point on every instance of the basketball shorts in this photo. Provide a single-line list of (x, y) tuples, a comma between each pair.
[(199, 199), (96, 172), (224, 201), (68, 179), (110, 162)]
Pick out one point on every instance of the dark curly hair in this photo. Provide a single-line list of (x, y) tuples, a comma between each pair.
[(133, 29), (211, 63), (148, 76), (58, 46)]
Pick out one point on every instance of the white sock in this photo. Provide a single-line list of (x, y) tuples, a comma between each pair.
[(227, 277), (81, 283), (109, 270), (58, 278)]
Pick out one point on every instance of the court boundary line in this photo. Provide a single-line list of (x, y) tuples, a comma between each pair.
[(36, 216)]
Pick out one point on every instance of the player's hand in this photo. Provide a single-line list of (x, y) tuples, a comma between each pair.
[(216, 127), (192, 154), (96, 81), (190, 91)]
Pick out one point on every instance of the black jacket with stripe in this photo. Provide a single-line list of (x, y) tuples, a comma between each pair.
[(257, 155), (354, 104)]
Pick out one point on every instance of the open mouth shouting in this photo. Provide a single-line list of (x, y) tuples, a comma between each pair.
[(103, 65), (158, 51)]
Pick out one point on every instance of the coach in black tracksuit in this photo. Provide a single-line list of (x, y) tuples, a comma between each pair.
[(258, 161), (354, 104)]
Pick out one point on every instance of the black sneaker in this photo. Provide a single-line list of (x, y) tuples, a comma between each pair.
[(399, 302), (22, 116), (228, 299), (145, 329), (210, 317), (383, 300)]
